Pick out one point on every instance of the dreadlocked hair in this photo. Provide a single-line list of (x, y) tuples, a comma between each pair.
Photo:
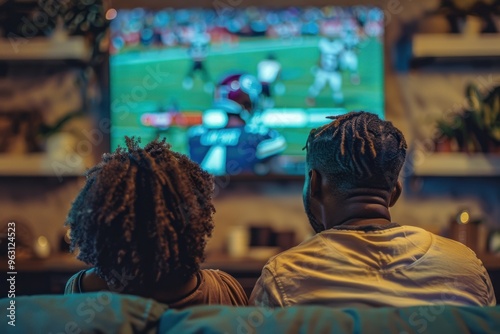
[(143, 216), (358, 149)]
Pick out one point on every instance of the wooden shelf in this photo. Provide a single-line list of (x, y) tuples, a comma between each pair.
[(40, 164), (456, 45), (41, 48), (457, 164)]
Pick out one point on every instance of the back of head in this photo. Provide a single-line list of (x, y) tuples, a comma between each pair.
[(143, 216), (357, 150)]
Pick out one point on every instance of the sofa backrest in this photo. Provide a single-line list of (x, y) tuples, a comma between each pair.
[(99, 312), (106, 312), (319, 319)]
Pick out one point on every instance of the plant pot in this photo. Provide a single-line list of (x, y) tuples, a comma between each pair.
[(494, 148), (443, 145)]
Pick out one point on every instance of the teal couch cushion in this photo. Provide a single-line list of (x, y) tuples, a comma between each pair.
[(318, 319), (106, 312), (100, 312)]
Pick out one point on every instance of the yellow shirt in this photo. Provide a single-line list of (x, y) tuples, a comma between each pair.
[(397, 266)]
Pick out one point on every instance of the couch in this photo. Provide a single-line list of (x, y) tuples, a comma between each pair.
[(105, 312)]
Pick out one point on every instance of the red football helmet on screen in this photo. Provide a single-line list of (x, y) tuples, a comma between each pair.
[(238, 94)]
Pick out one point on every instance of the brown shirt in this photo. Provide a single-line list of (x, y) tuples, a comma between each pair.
[(214, 287)]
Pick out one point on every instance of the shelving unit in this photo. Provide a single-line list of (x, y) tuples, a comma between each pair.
[(41, 164), (458, 164), (456, 45), (44, 50), (41, 48)]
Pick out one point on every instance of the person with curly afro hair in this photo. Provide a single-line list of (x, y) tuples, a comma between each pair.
[(141, 222)]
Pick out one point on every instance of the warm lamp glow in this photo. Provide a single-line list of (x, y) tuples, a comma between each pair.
[(111, 14), (464, 217), (42, 241)]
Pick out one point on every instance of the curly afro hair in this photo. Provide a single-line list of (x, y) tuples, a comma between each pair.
[(144, 214)]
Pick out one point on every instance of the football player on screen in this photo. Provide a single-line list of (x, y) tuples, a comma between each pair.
[(231, 140), (331, 49), (199, 45), (349, 57), (268, 72)]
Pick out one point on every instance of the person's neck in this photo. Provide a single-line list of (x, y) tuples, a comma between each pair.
[(165, 292), (364, 222), (173, 291), (360, 209)]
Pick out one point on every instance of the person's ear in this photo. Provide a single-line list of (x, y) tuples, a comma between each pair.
[(396, 192), (315, 184)]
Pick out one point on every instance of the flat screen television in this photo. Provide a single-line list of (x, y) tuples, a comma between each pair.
[(176, 74)]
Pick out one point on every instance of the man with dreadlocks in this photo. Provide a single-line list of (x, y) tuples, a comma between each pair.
[(359, 257), (142, 221)]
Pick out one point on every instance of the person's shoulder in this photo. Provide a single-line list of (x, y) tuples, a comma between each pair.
[(453, 246), (73, 283), (308, 248), (216, 274), (230, 288), (411, 231), (218, 277), (445, 246)]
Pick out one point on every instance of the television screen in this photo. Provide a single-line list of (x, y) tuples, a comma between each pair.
[(239, 90)]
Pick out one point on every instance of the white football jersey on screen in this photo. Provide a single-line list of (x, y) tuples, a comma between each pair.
[(330, 51), (268, 70)]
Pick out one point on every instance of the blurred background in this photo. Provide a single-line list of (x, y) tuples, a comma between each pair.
[(441, 87)]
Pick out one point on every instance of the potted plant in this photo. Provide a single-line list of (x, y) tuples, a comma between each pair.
[(475, 129)]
